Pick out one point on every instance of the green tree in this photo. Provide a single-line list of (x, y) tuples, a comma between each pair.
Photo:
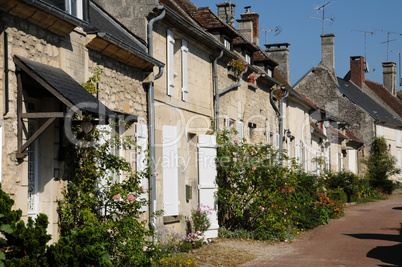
[(381, 166)]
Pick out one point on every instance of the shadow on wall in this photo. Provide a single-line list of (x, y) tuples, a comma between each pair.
[(386, 254)]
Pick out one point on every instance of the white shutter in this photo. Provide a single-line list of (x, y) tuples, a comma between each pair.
[(352, 161), (170, 171), (398, 137), (33, 173), (239, 129), (1, 149), (297, 150), (170, 62), (399, 159), (184, 69), (207, 179), (142, 144), (105, 132), (269, 138), (337, 162), (276, 141), (380, 131)]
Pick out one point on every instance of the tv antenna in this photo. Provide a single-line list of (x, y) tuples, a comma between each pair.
[(366, 67), (277, 29), (400, 79), (388, 40), (332, 19)]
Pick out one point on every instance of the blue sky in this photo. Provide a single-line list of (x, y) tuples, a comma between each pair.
[(303, 33)]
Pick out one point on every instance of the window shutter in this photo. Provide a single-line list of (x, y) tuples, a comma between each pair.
[(142, 144), (239, 129), (170, 62), (398, 137), (380, 131), (227, 122), (184, 69), (399, 158), (297, 150), (277, 141), (268, 137), (170, 171)]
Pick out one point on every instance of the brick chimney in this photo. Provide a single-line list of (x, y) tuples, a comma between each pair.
[(226, 12), (248, 26), (389, 76), (357, 71), (328, 52), (280, 53)]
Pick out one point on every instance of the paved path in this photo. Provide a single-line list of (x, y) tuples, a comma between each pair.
[(368, 235)]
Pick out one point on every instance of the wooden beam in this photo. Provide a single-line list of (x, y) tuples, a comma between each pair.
[(42, 115), (36, 135)]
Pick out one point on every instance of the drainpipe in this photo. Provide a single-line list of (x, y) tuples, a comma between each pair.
[(219, 93), (151, 123), (6, 70), (279, 113)]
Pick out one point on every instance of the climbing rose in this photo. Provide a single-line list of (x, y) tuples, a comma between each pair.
[(116, 197), (131, 198)]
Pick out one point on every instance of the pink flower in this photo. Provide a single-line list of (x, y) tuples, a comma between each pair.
[(234, 159), (116, 197), (109, 231), (91, 195), (144, 248), (254, 168), (156, 173), (234, 153), (295, 207), (284, 220), (284, 213), (206, 225), (215, 134), (252, 153), (131, 198), (261, 208)]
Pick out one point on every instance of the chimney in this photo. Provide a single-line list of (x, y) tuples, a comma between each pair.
[(280, 53), (249, 26), (357, 71), (328, 52), (389, 76), (226, 12)]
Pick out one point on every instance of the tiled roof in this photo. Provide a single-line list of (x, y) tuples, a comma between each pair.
[(209, 20), (181, 7), (317, 130), (357, 96), (393, 102), (353, 137), (337, 133)]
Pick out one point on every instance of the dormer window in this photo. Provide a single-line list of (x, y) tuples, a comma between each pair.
[(226, 43), (248, 58), (76, 8)]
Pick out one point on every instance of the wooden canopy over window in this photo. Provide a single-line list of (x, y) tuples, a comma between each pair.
[(60, 85)]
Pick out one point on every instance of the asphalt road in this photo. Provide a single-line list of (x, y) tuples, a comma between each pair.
[(368, 235)]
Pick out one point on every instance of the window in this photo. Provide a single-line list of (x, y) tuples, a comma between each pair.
[(75, 8), (229, 122), (248, 58), (269, 72), (251, 127), (170, 62), (184, 69), (226, 43)]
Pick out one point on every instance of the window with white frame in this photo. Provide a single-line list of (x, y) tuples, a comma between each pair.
[(184, 70), (248, 58), (226, 43), (170, 62)]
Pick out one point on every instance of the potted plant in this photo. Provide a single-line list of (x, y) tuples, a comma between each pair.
[(237, 66), (251, 78)]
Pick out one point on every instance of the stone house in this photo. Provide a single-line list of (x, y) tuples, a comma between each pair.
[(49, 48), (359, 117)]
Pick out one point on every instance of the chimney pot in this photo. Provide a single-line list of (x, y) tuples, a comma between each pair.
[(249, 26), (280, 53), (226, 12)]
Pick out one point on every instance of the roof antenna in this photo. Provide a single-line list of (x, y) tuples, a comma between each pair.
[(366, 66), (332, 19), (277, 29), (400, 79), (388, 40)]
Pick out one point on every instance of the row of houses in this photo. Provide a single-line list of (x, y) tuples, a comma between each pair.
[(167, 72)]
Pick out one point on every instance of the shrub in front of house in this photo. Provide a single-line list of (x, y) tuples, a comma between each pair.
[(258, 194)]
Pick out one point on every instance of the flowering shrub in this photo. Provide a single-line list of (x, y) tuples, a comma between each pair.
[(237, 66), (199, 217), (257, 194)]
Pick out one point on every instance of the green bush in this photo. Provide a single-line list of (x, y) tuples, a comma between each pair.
[(20, 244), (348, 181), (258, 195), (381, 166)]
